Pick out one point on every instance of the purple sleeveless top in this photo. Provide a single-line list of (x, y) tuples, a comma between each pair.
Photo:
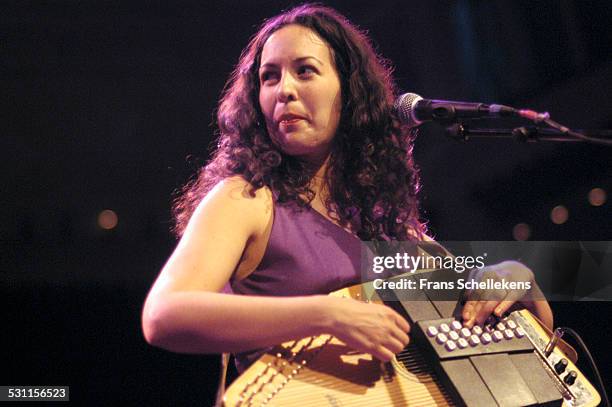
[(307, 254)]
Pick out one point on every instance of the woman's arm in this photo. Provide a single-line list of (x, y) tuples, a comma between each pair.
[(184, 311), (210, 322)]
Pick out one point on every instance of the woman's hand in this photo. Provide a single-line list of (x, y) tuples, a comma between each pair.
[(367, 327), (483, 302)]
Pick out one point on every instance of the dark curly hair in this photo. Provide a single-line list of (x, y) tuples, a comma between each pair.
[(371, 177)]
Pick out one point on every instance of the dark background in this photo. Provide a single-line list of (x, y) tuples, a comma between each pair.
[(110, 105)]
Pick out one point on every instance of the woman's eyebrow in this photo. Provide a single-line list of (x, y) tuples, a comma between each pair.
[(296, 60), (301, 59)]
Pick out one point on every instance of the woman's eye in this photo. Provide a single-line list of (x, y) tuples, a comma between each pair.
[(306, 70), (266, 76)]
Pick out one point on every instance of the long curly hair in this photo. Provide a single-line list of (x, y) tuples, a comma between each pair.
[(371, 177)]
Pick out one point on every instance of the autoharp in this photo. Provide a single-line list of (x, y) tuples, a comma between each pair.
[(500, 364)]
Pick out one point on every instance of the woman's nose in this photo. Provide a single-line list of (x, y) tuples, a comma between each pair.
[(286, 90)]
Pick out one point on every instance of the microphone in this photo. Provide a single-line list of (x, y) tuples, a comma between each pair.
[(413, 110)]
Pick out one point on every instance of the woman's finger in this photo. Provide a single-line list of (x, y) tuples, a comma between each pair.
[(382, 353), (503, 307), (394, 345), (474, 311), (400, 336), (468, 309), (402, 323), (485, 309)]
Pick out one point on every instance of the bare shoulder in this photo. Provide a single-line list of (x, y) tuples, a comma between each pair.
[(221, 229), (235, 202)]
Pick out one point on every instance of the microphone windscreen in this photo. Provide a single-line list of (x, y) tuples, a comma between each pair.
[(404, 108)]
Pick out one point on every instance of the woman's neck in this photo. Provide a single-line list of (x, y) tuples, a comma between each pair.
[(317, 181), (318, 184)]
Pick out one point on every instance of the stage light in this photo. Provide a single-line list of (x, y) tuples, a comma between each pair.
[(107, 219), (521, 231), (597, 197), (559, 215)]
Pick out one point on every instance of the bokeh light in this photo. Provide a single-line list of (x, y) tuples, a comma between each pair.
[(107, 219), (559, 215), (521, 231), (597, 197)]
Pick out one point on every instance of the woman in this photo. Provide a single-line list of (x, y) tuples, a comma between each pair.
[(311, 159)]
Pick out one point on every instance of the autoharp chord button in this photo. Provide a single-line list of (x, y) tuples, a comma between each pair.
[(432, 331), (441, 338)]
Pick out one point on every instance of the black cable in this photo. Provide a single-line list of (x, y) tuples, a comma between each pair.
[(575, 134), (538, 118), (583, 346)]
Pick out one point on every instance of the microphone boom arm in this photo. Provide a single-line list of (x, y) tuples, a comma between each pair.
[(529, 134)]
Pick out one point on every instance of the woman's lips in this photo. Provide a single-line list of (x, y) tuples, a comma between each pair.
[(291, 124), (291, 121)]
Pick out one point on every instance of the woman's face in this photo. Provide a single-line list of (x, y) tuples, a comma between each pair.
[(300, 92)]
